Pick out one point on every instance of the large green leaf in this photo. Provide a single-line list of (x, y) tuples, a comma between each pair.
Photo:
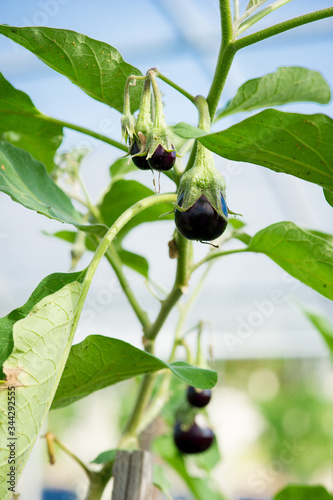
[(122, 195), (24, 126), (99, 361), (305, 256), (42, 340), (202, 488), (301, 145), (296, 492), (96, 67), (26, 181), (285, 85), (47, 286)]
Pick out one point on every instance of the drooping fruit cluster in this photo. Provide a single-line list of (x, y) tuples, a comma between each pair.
[(150, 144), (201, 212), (191, 433)]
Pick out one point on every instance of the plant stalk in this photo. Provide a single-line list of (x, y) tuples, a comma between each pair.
[(85, 131), (281, 27), (174, 85), (225, 58)]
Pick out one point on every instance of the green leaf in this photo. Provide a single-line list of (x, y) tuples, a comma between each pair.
[(201, 488), (42, 341), (47, 286), (160, 479), (286, 85), (305, 256), (129, 259), (329, 196), (121, 167), (96, 67), (322, 324), (301, 145), (105, 456), (320, 234), (122, 195), (206, 461), (237, 223), (69, 237), (99, 361), (187, 131), (134, 261), (296, 492), (26, 181), (198, 377), (24, 126)]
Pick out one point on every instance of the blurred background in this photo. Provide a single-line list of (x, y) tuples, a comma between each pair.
[(275, 386)]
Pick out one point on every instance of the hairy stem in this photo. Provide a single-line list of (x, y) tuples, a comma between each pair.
[(214, 255), (174, 85), (159, 120), (281, 27), (247, 23), (114, 260), (130, 79), (137, 416), (203, 110), (85, 131), (109, 237), (225, 58)]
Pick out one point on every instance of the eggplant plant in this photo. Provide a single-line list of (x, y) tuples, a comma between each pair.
[(41, 369)]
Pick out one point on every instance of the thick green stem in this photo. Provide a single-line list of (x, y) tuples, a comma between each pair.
[(226, 22), (98, 482), (281, 27), (225, 58), (184, 254), (179, 287), (85, 131)]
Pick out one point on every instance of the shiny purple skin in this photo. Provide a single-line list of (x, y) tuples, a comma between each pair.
[(194, 440), (201, 222), (139, 161), (162, 160), (198, 398)]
